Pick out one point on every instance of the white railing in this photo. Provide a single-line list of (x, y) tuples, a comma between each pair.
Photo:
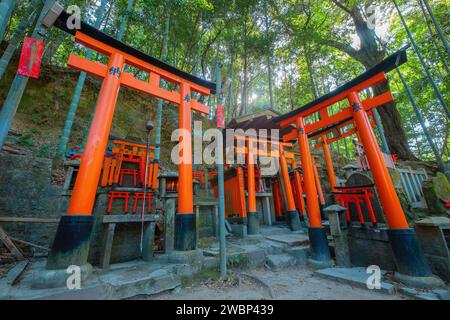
[(412, 184)]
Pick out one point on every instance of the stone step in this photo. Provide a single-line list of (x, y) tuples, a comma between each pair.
[(356, 277), (273, 247), (300, 253), (280, 261), (291, 239), (140, 282), (121, 283)]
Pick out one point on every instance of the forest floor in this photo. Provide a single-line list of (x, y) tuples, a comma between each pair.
[(298, 283)]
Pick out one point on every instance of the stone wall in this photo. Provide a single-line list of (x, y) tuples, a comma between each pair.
[(26, 191)]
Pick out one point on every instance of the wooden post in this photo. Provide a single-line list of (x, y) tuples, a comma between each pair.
[(85, 190), (107, 243), (292, 213)]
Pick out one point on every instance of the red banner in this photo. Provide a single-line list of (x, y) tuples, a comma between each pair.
[(220, 114), (31, 58)]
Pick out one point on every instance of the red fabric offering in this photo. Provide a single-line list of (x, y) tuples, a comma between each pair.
[(31, 58), (220, 116)]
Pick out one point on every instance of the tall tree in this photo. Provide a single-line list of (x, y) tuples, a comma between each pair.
[(6, 10), (441, 34), (160, 103), (269, 53), (423, 63), (27, 20), (20, 82), (433, 40), (370, 54), (62, 147)]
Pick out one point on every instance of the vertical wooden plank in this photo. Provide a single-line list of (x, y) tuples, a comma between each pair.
[(105, 174), (415, 185), (216, 220), (169, 226), (149, 242), (108, 238), (405, 186), (112, 171), (267, 211), (197, 221), (163, 187), (69, 176)]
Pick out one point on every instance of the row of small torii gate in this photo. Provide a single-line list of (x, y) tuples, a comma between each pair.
[(71, 243)]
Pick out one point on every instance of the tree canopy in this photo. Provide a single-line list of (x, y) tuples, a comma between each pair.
[(311, 47)]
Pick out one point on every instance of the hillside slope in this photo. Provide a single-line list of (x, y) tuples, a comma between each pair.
[(42, 112)]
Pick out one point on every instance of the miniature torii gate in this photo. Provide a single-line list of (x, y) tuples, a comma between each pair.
[(325, 141), (408, 255), (290, 157), (72, 239), (276, 150)]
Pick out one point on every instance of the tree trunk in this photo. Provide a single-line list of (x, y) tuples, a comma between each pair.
[(393, 126), (19, 84), (430, 31), (370, 55), (269, 54), (438, 27), (311, 73), (124, 22), (64, 140), (245, 86), (159, 109), (6, 10)]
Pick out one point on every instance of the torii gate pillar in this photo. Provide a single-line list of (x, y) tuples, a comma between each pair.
[(320, 253), (72, 239), (411, 264)]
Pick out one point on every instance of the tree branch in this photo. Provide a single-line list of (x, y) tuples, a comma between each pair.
[(344, 47), (340, 5)]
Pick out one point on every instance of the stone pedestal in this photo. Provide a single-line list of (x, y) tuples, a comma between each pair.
[(336, 217), (433, 234)]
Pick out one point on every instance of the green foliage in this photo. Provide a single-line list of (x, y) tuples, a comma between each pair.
[(315, 47), (238, 261), (203, 276), (26, 139)]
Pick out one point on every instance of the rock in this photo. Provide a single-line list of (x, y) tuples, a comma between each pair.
[(419, 295), (280, 261), (255, 255), (272, 247), (301, 254), (434, 190), (291, 240), (210, 262)]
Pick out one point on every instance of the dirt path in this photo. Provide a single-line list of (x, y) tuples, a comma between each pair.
[(289, 284)]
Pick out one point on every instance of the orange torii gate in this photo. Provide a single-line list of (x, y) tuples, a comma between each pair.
[(297, 180), (71, 242), (276, 150), (300, 202), (407, 252), (338, 133)]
